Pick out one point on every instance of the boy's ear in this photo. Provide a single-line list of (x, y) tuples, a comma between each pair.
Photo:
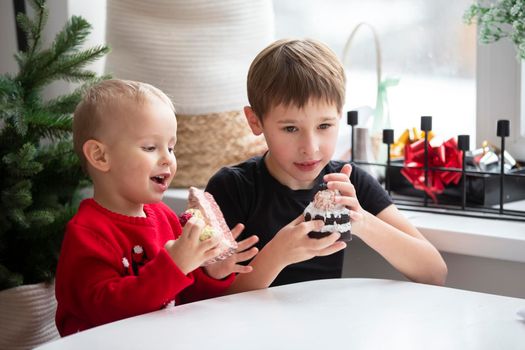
[(253, 120), (96, 156)]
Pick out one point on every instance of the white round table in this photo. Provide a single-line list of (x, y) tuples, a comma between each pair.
[(325, 314)]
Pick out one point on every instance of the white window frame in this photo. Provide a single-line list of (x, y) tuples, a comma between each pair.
[(500, 94)]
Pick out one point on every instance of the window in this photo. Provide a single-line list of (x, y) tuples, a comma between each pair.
[(442, 71)]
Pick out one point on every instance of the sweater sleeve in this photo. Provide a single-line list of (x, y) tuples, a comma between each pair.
[(205, 287), (93, 287)]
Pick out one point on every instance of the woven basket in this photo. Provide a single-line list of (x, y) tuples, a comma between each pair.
[(206, 143), (27, 316)]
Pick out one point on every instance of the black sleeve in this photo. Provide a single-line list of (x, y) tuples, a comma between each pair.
[(225, 187), (371, 195)]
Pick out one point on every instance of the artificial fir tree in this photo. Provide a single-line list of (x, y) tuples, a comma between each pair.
[(40, 174)]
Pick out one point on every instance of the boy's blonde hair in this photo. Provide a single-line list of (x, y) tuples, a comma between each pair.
[(101, 101), (291, 72)]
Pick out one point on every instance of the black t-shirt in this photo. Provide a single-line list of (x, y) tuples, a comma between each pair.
[(248, 194)]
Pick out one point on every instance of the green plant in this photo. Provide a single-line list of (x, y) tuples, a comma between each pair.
[(501, 19), (40, 174)]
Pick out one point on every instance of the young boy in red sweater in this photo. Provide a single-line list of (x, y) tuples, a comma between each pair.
[(124, 253)]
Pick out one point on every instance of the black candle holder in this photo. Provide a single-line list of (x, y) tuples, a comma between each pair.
[(352, 119), (388, 139), (508, 185)]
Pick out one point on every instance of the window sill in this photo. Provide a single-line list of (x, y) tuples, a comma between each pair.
[(496, 239)]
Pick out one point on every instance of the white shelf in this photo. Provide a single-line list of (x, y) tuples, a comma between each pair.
[(497, 239)]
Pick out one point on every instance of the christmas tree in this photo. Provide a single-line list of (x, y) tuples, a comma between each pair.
[(40, 174)]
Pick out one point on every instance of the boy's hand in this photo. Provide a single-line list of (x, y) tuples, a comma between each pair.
[(292, 243), (245, 251), (341, 181), (188, 251)]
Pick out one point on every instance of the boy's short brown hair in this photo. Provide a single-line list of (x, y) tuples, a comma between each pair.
[(291, 71), (101, 101)]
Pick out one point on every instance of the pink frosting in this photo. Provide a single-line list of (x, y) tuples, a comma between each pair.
[(325, 200)]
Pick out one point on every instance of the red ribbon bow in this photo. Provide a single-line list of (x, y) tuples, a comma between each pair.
[(445, 155)]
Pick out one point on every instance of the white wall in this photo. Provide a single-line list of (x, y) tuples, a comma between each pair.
[(464, 272), (499, 95), (8, 38)]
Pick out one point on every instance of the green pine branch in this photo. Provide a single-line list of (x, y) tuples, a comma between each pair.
[(63, 104), (19, 195), (21, 163), (63, 60), (72, 36), (49, 125), (33, 29)]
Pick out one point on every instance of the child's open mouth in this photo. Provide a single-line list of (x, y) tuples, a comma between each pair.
[(160, 179)]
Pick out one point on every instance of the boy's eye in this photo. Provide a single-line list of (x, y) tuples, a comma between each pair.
[(290, 129), (149, 148), (325, 126)]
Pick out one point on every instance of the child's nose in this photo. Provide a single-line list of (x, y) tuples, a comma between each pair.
[(310, 144), (166, 158)]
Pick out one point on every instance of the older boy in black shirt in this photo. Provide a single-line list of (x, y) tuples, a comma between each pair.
[(296, 90)]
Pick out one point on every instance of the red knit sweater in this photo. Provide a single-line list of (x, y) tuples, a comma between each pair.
[(113, 266)]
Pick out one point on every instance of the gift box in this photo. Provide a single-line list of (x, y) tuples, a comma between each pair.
[(482, 189), (445, 186)]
